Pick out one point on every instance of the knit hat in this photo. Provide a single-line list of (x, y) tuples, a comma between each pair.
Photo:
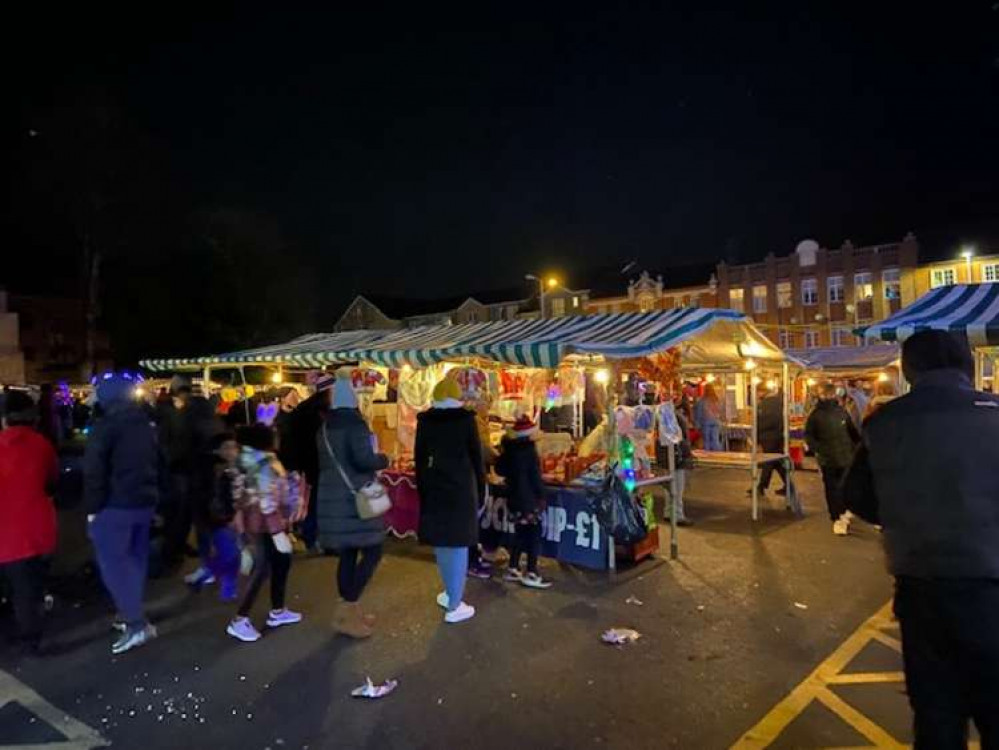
[(324, 381), (447, 389), (523, 427), (936, 350), (343, 392), (114, 388)]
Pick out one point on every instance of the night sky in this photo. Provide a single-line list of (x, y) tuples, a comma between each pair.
[(432, 153)]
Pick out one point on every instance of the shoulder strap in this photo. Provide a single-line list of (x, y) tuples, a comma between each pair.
[(339, 468)]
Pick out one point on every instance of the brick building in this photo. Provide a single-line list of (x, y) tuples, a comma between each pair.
[(816, 296)]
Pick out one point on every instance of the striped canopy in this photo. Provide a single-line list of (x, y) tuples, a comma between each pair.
[(971, 309), (709, 336)]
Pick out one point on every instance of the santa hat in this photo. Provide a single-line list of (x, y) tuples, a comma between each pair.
[(523, 427)]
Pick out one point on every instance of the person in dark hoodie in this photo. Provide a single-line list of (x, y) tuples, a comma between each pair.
[(832, 436), (347, 462), (202, 426), (175, 439), (927, 471), (519, 465), (29, 469), (124, 476), (450, 479)]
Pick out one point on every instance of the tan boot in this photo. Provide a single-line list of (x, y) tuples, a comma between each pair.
[(350, 622)]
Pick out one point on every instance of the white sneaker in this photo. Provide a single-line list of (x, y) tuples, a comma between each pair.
[(442, 600), (534, 581), (513, 575), (462, 613), (242, 630), (200, 577), (134, 639), (848, 517), (278, 617), (841, 527)]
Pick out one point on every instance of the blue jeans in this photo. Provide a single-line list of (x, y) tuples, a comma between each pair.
[(121, 543), (711, 432), (452, 562)]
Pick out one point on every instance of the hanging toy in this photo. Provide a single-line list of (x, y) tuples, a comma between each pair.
[(472, 382), (364, 379)]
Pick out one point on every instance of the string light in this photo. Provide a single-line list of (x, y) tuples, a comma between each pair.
[(882, 377), (602, 376), (628, 463)]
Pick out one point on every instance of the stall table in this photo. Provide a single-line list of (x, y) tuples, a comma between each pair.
[(743, 460)]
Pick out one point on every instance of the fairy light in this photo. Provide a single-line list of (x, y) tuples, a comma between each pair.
[(709, 378), (882, 377), (750, 364), (628, 463), (602, 376)]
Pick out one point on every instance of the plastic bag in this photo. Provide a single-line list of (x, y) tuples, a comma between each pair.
[(618, 511)]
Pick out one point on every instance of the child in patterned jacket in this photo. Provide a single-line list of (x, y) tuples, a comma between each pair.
[(269, 503)]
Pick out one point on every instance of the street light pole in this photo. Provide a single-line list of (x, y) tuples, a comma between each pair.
[(968, 253)]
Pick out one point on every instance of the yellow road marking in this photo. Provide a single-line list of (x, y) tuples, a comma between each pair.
[(864, 678), (830, 672)]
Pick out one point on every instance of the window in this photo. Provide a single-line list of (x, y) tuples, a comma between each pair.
[(811, 338), (558, 307), (678, 302), (834, 288), (863, 287), (511, 311), (942, 277), (646, 303), (759, 299), (736, 300), (575, 301), (784, 296), (990, 272), (809, 292), (891, 279), (785, 339), (695, 301), (841, 336)]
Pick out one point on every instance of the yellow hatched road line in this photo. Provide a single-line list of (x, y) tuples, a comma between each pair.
[(830, 672)]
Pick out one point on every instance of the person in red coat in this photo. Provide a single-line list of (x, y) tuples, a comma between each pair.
[(28, 471)]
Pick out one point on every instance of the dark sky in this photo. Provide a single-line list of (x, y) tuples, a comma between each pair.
[(433, 153)]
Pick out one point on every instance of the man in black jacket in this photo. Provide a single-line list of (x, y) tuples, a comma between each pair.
[(928, 472), (770, 434), (124, 475), (832, 436)]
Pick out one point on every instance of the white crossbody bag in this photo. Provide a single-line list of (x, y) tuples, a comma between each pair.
[(371, 500)]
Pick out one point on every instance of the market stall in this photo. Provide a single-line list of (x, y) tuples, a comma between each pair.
[(968, 309), (591, 382)]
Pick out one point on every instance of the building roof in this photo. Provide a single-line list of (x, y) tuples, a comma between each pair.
[(400, 308)]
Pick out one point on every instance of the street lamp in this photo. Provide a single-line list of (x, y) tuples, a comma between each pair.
[(551, 282), (968, 253)]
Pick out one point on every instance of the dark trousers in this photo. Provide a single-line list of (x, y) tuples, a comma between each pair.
[(356, 567), (767, 471), (121, 544), (268, 562), (176, 519), (223, 561), (310, 524), (527, 540), (26, 579), (832, 481), (950, 645)]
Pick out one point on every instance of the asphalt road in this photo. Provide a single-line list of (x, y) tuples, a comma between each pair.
[(727, 632)]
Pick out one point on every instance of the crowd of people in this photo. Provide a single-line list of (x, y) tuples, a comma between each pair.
[(247, 494)]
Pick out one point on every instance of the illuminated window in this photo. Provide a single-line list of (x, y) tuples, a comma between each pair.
[(811, 339), (863, 286), (736, 300), (841, 337), (784, 297), (759, 299), (558, 307), (942, 277), (646, 303), (786, 339), (809, 292), (834, 288), (891, 279), (990, 272), (575, 301)]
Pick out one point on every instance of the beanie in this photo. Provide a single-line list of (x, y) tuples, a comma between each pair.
[(936, 350), (447, 389), (343, 392), (114, 388)]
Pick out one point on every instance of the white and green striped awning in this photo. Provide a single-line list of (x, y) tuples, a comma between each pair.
[(710, 336)]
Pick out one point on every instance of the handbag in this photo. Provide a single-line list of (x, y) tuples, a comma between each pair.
[(372, 499)]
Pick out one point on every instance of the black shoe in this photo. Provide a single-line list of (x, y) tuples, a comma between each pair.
[(782, 492), (684, 522)]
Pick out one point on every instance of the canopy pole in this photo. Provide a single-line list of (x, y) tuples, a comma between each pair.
[(752, 455), (674, 501)]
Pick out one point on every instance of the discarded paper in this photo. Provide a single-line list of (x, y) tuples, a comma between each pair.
[(371, 690), (634, 600), (799, 605), (619, 636)]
